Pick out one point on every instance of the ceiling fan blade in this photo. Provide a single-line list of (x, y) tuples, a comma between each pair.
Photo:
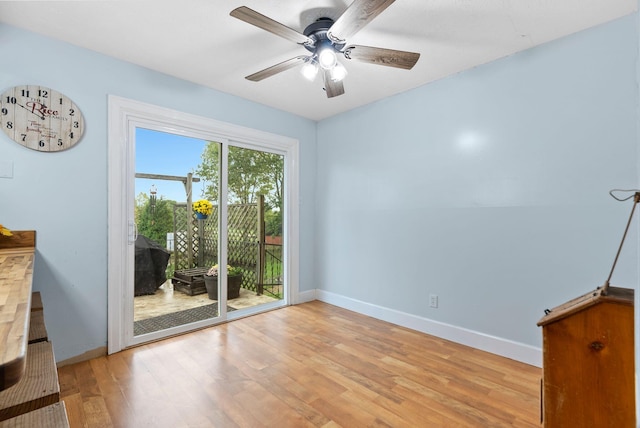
[(380, 56), (275, 69), (357, 15), (332, 88), (252, 17)]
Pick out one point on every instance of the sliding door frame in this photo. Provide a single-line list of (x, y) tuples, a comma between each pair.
[(125, 116)]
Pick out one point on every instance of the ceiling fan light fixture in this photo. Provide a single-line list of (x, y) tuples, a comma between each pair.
[(338, 73), (309, 70), (327, 57), (325, 39)]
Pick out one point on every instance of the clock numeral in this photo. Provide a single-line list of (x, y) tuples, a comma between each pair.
[(71, 135), (60, 101), (12, 100), (60, 142), (24, 137), (5, 111), (25, 92), (72, 112), (43, 94), (41, 143), (9, 125), (76, 124)]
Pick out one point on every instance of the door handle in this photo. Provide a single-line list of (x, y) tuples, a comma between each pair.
[(133, 232)]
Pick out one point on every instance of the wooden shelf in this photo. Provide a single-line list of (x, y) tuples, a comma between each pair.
[(16, 272), (37, 328), (37, 388), (29, 388), (53, 416), (36, 301)]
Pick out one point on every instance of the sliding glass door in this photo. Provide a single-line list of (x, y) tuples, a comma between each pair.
[(255, 201), (179, 279), (203, 222), (177, 232)]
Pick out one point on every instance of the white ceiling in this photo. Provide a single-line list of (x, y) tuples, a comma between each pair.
[(197, 40)]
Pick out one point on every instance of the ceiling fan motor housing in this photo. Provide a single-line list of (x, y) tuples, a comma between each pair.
[(317, 31)]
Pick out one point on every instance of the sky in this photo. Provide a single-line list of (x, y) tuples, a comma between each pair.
[(167, 154)]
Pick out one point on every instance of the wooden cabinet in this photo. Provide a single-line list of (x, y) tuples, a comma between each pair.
[(588, 361), (29, 389)]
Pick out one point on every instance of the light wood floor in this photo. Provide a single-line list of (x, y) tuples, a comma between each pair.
[(311, 365)]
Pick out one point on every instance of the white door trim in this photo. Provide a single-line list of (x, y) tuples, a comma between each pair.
[(124, 116)]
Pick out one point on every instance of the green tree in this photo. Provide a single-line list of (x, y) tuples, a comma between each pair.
[(141, 201), (208, 170), (272, 166), (247, 176), (251, 173), (273, 222), (154, 222)]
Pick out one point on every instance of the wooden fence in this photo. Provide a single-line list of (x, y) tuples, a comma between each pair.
[(196, 242)]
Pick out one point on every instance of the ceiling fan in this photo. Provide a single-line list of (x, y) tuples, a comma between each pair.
[(325, 39)]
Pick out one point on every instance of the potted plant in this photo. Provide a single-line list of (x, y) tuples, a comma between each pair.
[(202, 208), (234, 280)]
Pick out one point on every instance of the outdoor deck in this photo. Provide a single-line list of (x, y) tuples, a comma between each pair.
[(166, 300)]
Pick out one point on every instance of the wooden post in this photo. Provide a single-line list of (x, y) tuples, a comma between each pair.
[(200, 242), (188, 187), (188, 184), (261, 247)]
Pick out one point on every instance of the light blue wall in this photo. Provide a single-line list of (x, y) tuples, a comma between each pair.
[(488, 188), (63, 196)]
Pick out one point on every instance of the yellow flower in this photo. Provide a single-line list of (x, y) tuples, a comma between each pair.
[(4, 231), (203, 206)]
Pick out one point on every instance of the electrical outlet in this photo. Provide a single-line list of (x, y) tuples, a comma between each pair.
[(433, 300)]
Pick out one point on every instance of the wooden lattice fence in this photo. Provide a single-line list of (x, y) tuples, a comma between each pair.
[(196, 241)]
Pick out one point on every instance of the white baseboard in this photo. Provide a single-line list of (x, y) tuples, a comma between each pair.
[(89, 355), (506, 348), (306, 296)]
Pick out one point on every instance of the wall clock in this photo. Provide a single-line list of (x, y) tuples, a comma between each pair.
[(40, 118)]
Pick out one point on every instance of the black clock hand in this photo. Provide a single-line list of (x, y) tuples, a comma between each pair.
[(31, 111)]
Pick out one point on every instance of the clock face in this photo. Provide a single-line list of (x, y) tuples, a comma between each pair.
[(40, 118)]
